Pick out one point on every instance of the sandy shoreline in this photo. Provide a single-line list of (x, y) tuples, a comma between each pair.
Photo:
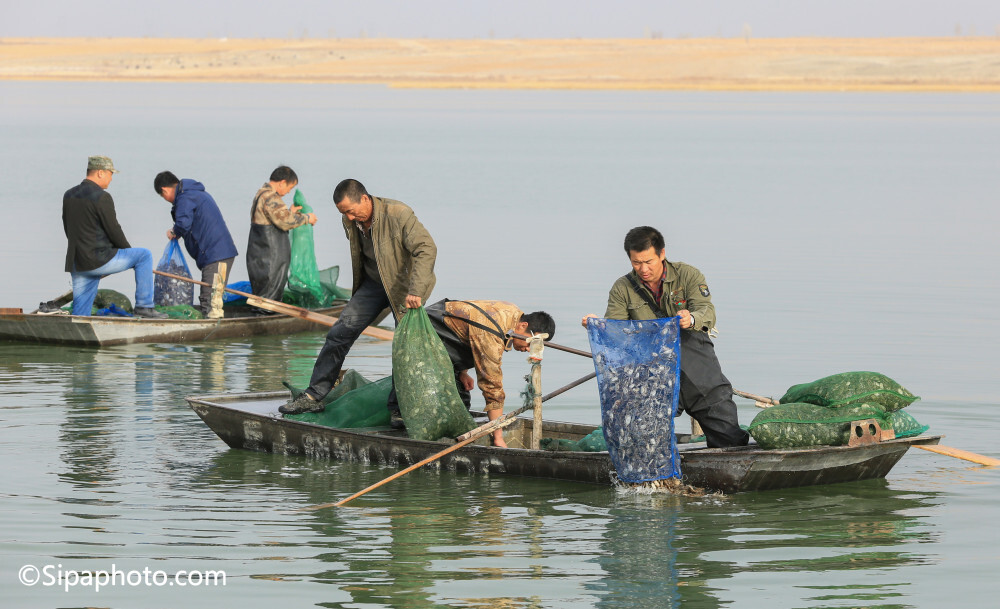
[(789, 64)]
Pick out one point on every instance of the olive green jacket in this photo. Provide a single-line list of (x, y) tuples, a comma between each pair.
[(404, 251), (684, 287)]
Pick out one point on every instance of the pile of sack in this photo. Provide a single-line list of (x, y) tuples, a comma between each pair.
[(820, 413)]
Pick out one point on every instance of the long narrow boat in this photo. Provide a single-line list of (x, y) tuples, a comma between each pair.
[(99, 331), (252, 422)]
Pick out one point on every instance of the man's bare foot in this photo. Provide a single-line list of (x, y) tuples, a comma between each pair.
[(499, 442)]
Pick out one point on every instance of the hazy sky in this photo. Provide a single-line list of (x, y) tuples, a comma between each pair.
[(498, 18)]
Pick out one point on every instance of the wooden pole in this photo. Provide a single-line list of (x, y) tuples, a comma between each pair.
[(536, 422), (286, 309), (959, 454)]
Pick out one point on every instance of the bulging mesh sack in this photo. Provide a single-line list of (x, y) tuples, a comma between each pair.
[(837, 390), (354, 402), (425, 381), (905, 425), (798, 425), (169, 292), (638, 376), (303, 275)]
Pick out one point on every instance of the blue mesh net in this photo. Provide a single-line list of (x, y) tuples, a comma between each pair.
[(638, 376)]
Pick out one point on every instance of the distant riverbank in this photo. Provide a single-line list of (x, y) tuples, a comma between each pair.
[(786, 64)]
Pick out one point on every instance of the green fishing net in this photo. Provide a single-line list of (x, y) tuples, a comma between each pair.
[(303, 275), (425, 381), (181, 312), (591, 443), (796, 425), (354, 402), (838, 390)]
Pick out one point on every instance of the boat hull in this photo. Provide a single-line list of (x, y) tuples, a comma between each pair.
[(105, 331), (251, 422)]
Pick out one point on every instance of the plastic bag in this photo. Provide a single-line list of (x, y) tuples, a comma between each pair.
[(170, 292), (590, 443), (425, 381), (638, 376), (303, 275), (837, 390)]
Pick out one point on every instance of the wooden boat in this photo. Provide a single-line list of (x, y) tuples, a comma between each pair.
[(102, 331), (252, 422)]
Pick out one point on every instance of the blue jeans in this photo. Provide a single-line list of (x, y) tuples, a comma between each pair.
[(85, 282), (360, 311)]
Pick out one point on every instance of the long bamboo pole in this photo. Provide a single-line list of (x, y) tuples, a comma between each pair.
[(285, 308)]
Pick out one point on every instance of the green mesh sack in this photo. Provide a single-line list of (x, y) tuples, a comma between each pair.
[(851, 388), (425, 381), (362, 406), (590, 443), (797, 425), (106, 298), (303, 275), (905, 425), (181, 312)]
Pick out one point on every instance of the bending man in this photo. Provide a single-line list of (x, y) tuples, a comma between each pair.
[(199, 222), (475, 334)]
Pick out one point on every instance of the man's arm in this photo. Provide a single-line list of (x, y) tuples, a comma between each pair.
[(109, 220), (617, 303), (699, 300), (420, 245), (183, 216)]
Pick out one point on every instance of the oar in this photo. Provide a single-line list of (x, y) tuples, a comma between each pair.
[(461, 441), (284, 308), (762, 402), (959, 454)]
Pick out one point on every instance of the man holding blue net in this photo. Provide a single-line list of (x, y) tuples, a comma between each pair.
[(657, 288)]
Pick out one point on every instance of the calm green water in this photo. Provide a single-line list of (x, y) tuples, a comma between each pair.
[(838, 232)]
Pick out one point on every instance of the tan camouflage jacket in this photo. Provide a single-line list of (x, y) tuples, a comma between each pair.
[(487, 348), (271, 209)]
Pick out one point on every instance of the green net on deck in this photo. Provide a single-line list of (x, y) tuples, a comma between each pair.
[(425, 381), (838, 390), (181, 312), (354, 402), (590, 443), (797, 425)]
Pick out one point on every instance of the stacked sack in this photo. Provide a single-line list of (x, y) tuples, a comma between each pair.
[(820, 413)]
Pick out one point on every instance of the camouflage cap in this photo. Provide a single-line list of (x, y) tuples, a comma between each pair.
[(100, 162)]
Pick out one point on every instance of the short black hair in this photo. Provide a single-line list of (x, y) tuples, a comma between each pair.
[(351, 189), (284, 173), (164, 179), (641, 238), (540, 322)]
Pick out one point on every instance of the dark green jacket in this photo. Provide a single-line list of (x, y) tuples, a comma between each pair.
[(684, 287), (404, 251)]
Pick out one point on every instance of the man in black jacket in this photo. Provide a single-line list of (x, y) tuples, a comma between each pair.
[(97, 245)]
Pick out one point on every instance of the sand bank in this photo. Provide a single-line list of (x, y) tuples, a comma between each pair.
[(790, 64)]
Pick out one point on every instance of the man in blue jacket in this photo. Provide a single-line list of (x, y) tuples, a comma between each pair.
[(198, 220)]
